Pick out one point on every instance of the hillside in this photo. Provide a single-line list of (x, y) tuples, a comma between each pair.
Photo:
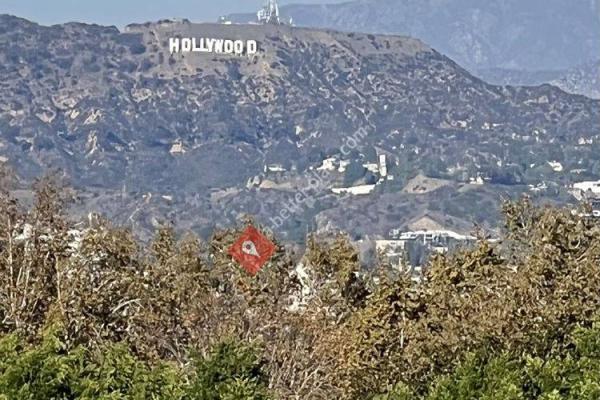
[(192, 138)]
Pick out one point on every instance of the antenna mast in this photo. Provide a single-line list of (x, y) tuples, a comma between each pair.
[(269, 14)]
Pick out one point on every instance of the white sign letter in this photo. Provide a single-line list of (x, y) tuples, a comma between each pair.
[(219, 46), (238, 47), (228, 46), (203, 48), (252, 47), (174, 45), (195, 47), (211, 45), (186, 44)]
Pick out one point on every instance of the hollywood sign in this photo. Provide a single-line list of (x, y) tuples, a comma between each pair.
[(210, 45)]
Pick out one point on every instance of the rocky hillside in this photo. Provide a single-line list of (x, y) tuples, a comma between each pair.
[(200, 139), (532, 35)]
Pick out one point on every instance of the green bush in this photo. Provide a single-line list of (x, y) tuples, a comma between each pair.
[(398, 392), (571, 372), (500, 378), (231, 372), (47, 371)]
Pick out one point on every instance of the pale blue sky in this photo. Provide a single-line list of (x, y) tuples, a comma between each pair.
[(123, 12)]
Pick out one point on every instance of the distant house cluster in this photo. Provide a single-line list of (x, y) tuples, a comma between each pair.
[(378, 168), (410, 249), (588, 192)]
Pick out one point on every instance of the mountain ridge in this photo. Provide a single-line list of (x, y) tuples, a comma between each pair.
[(123, 119), (508, 34)]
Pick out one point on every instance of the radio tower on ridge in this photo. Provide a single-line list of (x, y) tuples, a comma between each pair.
[(269, 14)]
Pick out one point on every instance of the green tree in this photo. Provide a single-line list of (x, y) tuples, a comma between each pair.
[(232, 371)]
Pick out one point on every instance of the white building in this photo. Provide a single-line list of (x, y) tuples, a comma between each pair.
[(476, 181), (274, 168), (329, 164), (372, 167), (333, 164), (587, 189), (393, 251), (556, 166), (177, 148), (355, 190), (430, 236), (413, 247), (383, 166)]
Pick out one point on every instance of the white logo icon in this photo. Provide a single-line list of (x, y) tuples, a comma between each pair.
[(249, 248)]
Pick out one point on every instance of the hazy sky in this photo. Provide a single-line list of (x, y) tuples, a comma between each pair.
[(123, 12)]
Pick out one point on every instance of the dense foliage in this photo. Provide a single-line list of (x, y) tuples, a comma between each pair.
[(49, 370), (571, 373), (88, 312)]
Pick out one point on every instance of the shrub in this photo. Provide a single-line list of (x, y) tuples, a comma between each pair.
[(510, 319), (232, 371), (49, 370), (570, 372)]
